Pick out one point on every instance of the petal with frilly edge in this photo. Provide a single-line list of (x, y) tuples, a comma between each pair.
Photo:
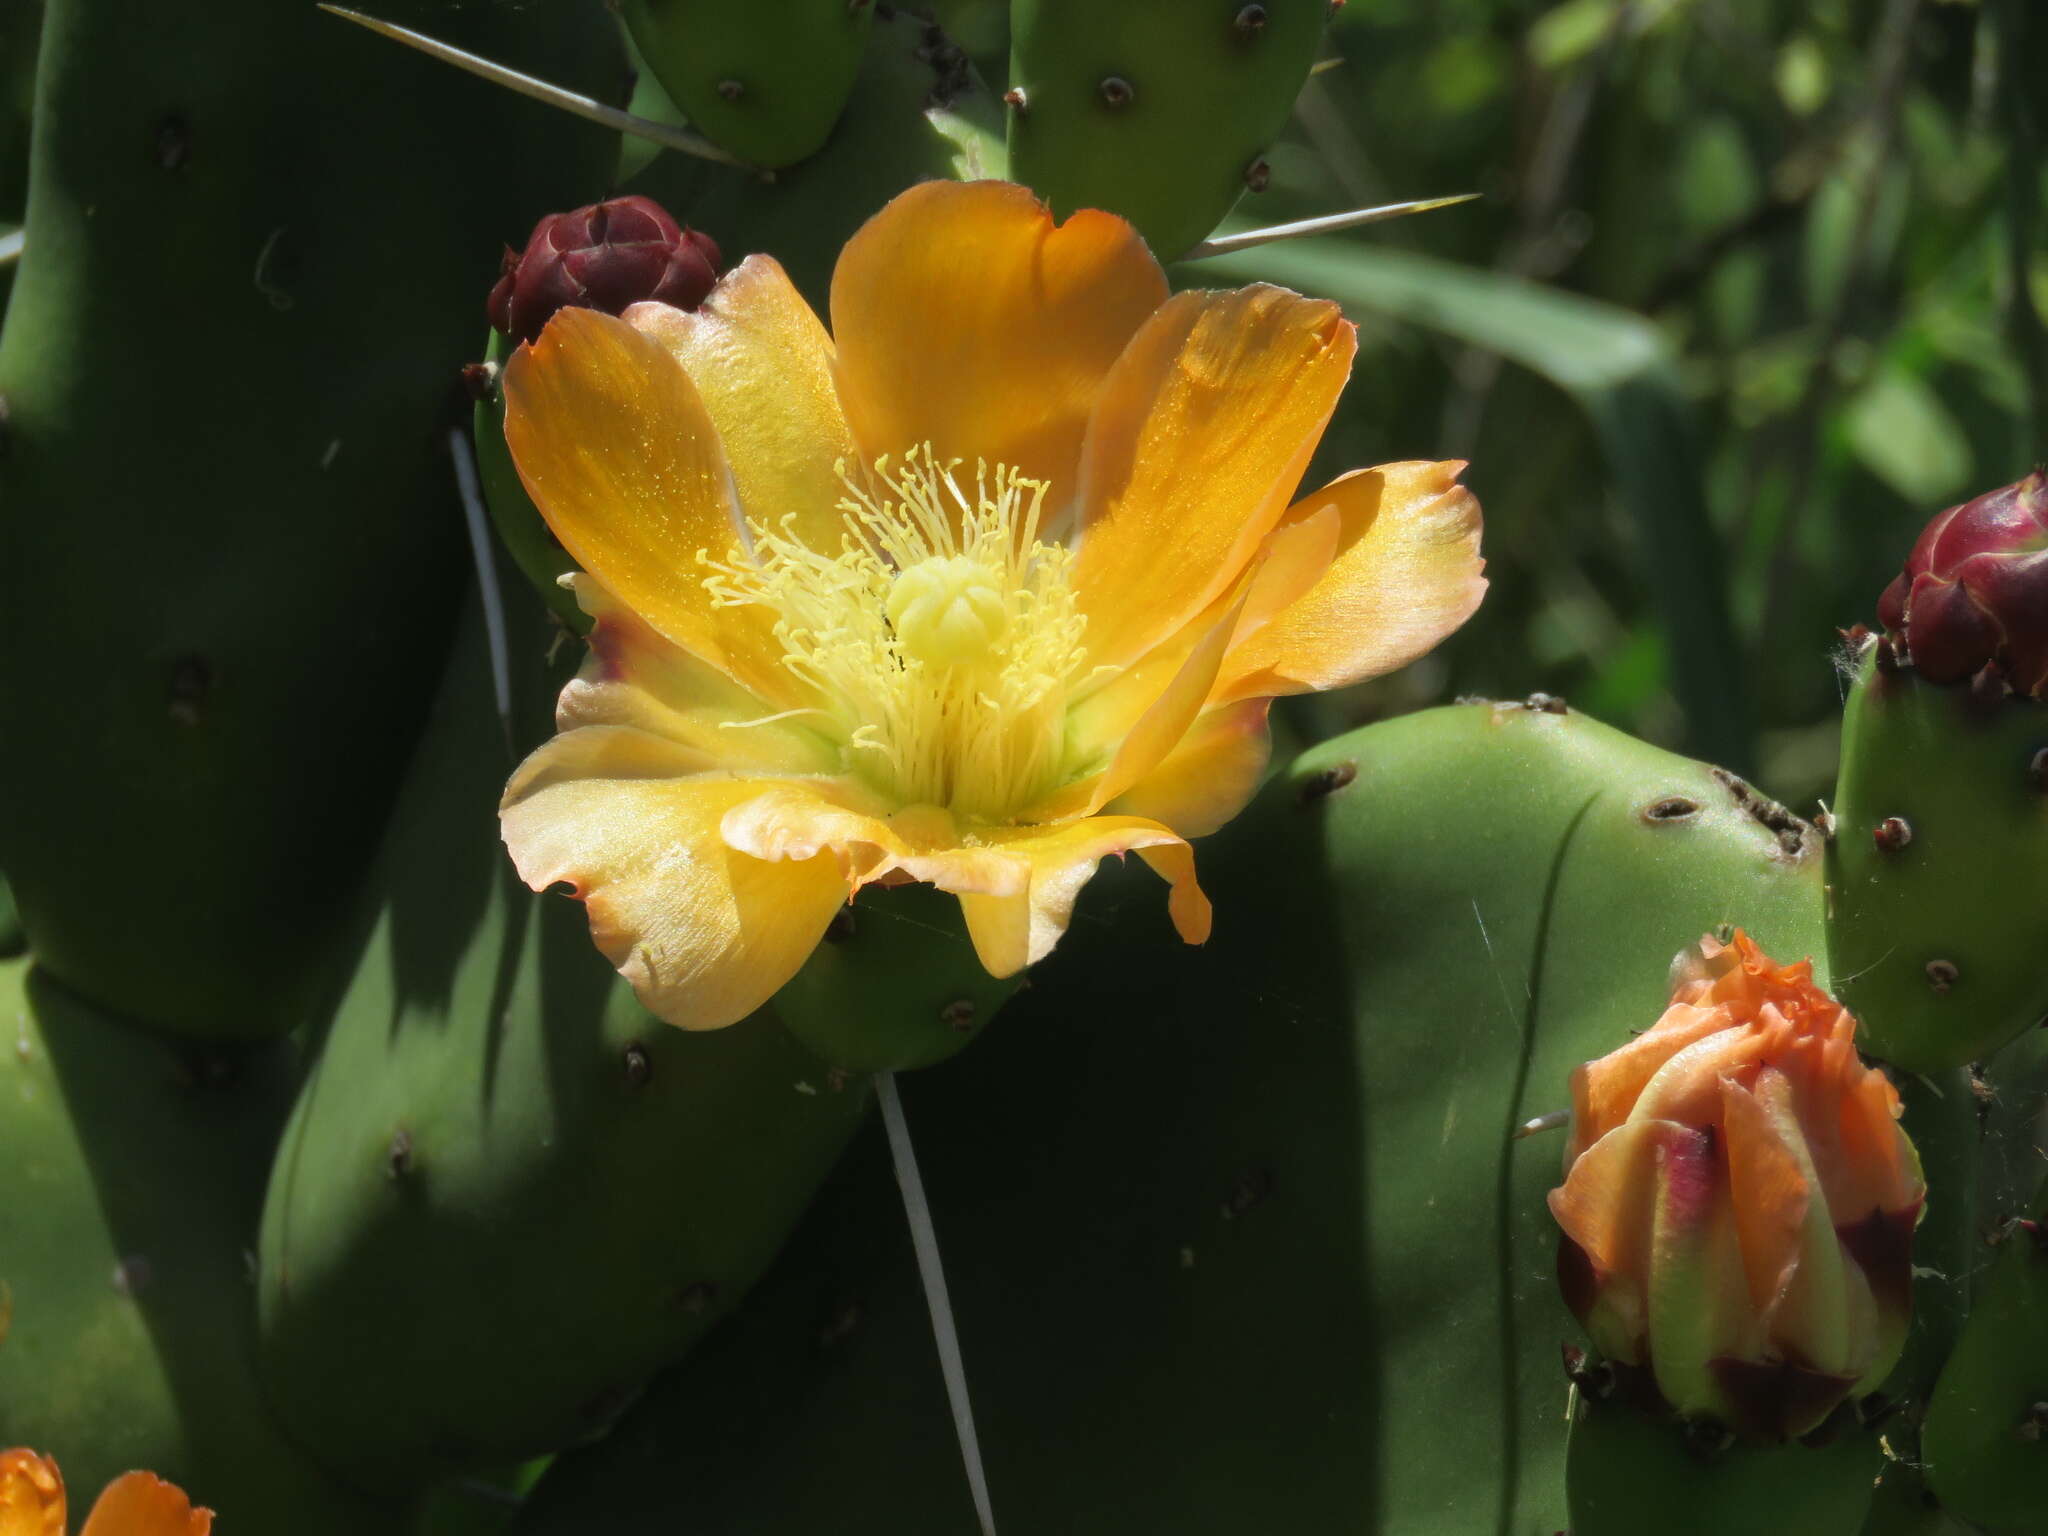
[(967, 319), (762, 364), (1013, 931), (1200, 438), (705, 934), (795, 821), (636, 677), (619, 453), (141, 1504), (1405, 575), (31, 1495), (1207, 779)]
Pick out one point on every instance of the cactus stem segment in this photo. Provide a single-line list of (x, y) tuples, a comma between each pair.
[(665, 134)]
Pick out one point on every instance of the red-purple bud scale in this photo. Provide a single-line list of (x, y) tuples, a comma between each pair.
[(606, 257), (1974, 591)]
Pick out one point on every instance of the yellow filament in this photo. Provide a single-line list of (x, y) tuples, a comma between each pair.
[(940, 639)]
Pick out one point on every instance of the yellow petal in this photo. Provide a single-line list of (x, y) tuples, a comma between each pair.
[(1201, 435), (1167, 720), (923, 842), (636, 677), (1405, 574), (705, 934), (1011, 932), (965, 318), (762, 364), (620, 456), (141, 1504), (31, 1495), (1207, 779)]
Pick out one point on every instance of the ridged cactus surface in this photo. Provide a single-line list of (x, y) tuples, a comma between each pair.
[(227, 531), (764, 79), (507, 1195), (1159, 110), (1242, 1239), (135, 1171), (1938, 870)]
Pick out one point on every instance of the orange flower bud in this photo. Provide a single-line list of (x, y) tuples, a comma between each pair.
[(1739, 1200)]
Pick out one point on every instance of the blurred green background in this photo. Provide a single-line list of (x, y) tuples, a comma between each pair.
[(1754, 289)]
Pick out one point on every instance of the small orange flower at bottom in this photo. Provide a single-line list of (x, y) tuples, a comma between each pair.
[(1739, 1201), (134, 1504)]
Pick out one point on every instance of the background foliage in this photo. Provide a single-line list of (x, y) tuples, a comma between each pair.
[(1825, 213)]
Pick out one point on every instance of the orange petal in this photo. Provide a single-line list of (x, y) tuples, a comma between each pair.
[(1199, 439), (705, 934), (636, 677), (1604, 1091), (762, 364), (1166, 722), (620, 455), (965, 318), (142, 1504), (1207, 779), (1610, 1193), (1768, 1186), (1405, 574), (31, 1495), (1013, 931)]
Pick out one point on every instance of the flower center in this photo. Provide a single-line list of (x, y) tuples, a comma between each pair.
[(948, 610), (940, 639)]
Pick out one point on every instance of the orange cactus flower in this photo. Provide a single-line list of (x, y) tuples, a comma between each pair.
[(134, 1504), (994, 581), (1739, 1200)]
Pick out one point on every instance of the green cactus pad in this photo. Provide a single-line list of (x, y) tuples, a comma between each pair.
[(230, 549), (1240, 1238), (1938, 869), (765, 79), (1985, 1442), (507, 1194), (133, 1169), (895, 985), (1159, 110), (918, 111), (1628, 1475)]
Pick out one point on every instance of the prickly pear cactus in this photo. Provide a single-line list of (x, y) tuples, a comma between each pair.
[(135, 1169), (1290, 1156), (1941, 785), (471, 1248), (242, 595), (765, 79), (1160, 110), (1985, 1442)]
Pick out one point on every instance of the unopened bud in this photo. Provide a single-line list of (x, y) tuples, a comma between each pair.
[(605, 257), (1974, 591), (1739, 1200)]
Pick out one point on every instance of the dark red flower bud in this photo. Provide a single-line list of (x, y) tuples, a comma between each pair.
[(1974, 592), (603, 257)]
